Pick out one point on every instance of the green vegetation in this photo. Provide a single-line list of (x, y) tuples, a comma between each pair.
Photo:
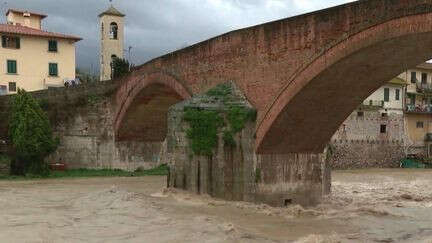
[(121, 67), (205, 124), (31, 136), (86, 173), (203, 130)]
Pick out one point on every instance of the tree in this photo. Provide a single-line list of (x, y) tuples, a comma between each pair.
[(31, 136), (120, 67)]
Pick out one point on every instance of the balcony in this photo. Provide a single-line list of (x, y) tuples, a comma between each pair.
[(426, 109), (424, 88)]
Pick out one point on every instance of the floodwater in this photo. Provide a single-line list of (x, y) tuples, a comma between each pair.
[(365, 206)]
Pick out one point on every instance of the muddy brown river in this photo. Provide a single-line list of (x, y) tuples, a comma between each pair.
[(365, 206)]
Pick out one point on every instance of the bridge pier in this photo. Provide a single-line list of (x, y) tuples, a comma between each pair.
[(284, 179)]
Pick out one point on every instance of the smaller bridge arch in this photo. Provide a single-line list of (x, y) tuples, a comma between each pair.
[(142, 104)]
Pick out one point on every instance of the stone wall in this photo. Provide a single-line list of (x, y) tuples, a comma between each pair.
[(87, 141), (82, 118), (359, 142), (238, 173)]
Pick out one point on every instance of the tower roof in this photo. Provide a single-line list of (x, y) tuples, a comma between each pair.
[(112, 11)]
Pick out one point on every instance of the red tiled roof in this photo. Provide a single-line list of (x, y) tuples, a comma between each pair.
[(25, 11), (23, 30)]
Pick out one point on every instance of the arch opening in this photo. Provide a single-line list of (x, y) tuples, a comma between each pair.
[(113, 31), (146, 117), (306, 115)]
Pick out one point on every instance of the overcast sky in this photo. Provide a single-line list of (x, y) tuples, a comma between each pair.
[(156, 27)]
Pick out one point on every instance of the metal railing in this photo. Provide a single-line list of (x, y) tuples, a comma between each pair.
[(418, 108), (424, 87)]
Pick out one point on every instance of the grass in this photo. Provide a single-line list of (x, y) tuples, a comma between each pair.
[(86, 173)]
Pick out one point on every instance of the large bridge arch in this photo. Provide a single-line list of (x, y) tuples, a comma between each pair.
[(142, 103), (320, 96)]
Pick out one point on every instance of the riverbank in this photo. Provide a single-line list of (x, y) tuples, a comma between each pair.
[(88, 173)]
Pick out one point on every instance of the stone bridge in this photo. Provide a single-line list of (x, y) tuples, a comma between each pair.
[(303, 74)]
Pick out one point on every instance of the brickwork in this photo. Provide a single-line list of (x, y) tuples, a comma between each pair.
[(294, 71)]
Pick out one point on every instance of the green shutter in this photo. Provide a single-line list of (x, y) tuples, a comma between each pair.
[(18, 44), (386, 94), (53, 70), (11, 66), (52, 45)]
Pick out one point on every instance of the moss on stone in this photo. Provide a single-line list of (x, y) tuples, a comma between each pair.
[(203, 130), (206, 122)]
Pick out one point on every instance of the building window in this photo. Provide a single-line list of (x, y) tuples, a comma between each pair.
[(113, 30), (384, 114), (383, 129), (3, 89), (360, 113), (52, 45), (413, 77), (53, 69), (11, 67), (420, 124), (424, 78), (11, 42), (12, 87), (397, 94), (386, 94)]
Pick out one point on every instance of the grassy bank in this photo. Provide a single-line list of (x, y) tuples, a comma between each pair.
[(83, 173)]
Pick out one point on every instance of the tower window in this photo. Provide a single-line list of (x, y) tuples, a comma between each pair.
[(113, 31)]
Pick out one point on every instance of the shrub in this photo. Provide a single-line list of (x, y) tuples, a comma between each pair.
[(120, 67), (31, 136)]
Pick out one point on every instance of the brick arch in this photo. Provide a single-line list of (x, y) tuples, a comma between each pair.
[(320, 96), (136, 84)]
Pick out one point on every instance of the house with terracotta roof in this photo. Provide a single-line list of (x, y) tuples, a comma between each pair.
[(32, 58)]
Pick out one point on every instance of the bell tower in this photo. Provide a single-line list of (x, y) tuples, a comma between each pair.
[(111, 26)]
